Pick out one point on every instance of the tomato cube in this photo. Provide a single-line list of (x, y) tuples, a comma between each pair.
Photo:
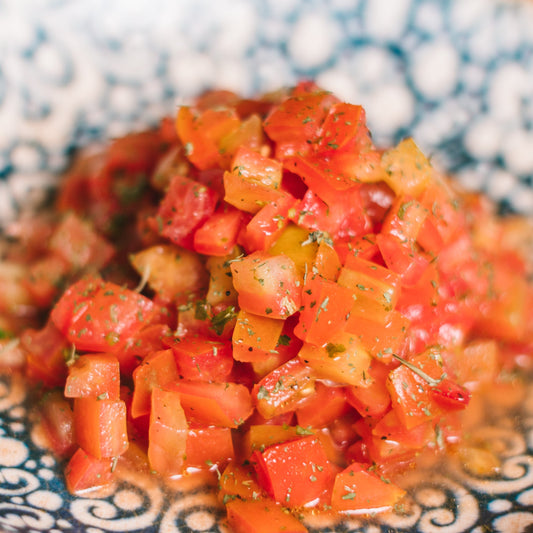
[(94, 376), (294, 473)]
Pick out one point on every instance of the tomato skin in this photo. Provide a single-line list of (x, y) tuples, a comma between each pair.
[(45, 351), (94, 376), (261, 516), (84, 472), (100, 426), (203, 359), (324, 407), (57, 420), (99, 316), (267, 285), (356, 488), (208, 447), (296, 121), (167, 432), (294, 473), (201, 133), (218, 234), (186, 206), (79, 245), (255, 337), (283, 389), (213, 403), (156, 370), (267, 224), (326, 308)]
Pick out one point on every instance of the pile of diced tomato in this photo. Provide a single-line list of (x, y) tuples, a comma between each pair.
[(255, 289)]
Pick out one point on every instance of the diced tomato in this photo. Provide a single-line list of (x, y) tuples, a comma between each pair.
[(325, 406), (167, 433), (76, 241), (99, 316), (202, 132), (94, 376), (343, 359), (357, 488), (296, 121), (282, 389), (156, 370), (261, 516), (255, 337), (294, 473), (100, 426), (267, 224), (186, 206), (57, 421), (238, 481), (213, 403), (176, 274), (203, 359), (84, 472), (218, 234), (46, 353), (371, 398), (254, 181), (44, 280), (407, 169), (208, 447), (267, 285), (325, 310)]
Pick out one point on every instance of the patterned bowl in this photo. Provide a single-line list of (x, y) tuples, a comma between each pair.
[(455, 74)]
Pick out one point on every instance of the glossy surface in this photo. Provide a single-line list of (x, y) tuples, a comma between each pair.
[(444, 498), (457, 75)]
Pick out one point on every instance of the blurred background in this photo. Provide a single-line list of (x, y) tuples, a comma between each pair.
[(457, 75)]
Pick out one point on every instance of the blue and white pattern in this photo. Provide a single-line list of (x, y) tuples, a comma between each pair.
[(455, 74), (447, 499)]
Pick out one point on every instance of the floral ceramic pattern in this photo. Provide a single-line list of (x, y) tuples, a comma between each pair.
[(442, 500)]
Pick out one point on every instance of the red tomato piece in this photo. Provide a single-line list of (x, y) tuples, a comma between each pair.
[(322, 408), (344, 128), (100, 316), (46, 350), (201, 133), (372, 398), (44, 278), (186, 206), (167, 433), (401, 258), (255, 337), (268, 224), (325, 310), (94, 376), (215, 403), (267, 285), (208, 447), (261, 516), (294, 473), (57, 421), (156, 370), (79, 245), (218, 234), (254, 181), (283, 389), (100, 426), (358, 489), (203, 359), (84, 472), (296, 122)]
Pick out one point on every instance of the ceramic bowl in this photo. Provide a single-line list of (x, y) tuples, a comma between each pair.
[(457, 75)]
